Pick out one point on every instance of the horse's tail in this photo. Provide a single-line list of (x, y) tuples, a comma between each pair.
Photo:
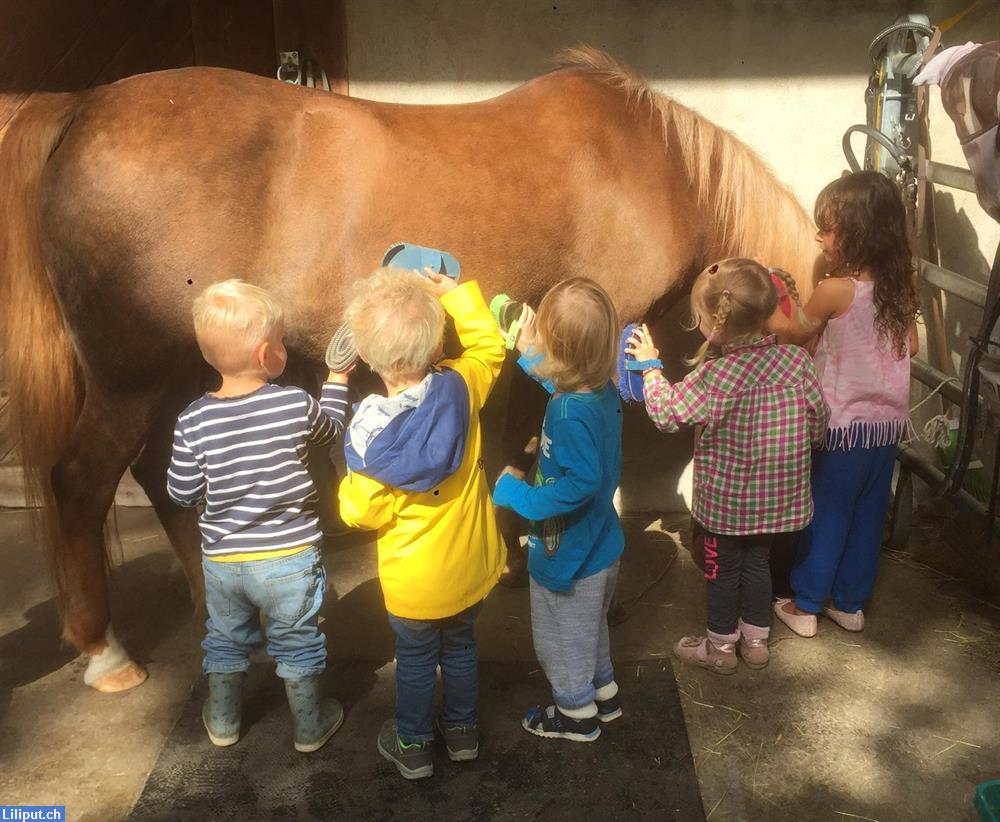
[(754, 214), (39, 364)]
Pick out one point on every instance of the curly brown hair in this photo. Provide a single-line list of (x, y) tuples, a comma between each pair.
[(865, 213)]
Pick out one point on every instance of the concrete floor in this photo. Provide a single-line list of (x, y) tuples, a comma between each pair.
[(897, 723)]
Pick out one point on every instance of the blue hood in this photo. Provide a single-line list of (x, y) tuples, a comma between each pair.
[(415, 440)]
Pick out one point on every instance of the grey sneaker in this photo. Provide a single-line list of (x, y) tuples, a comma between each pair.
[(413, 760), (462, 741)]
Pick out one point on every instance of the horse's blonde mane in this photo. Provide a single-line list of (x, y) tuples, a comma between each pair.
[(755, 215)]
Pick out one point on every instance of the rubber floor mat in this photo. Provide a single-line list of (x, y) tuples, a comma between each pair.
[(639, 769)]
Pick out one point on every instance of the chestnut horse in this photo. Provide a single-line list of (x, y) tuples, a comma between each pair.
[(124, 201)]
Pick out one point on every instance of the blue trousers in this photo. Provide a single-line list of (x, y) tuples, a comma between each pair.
[(290, 590), (838, 553), (422, 645)]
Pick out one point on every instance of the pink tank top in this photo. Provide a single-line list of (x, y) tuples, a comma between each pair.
[(865, 385)]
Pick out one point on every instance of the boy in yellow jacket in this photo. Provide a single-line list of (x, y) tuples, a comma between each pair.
[(416, 476)]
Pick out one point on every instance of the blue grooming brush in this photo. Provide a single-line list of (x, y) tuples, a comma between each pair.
[(629, 382), (630, 371), (417, 257)]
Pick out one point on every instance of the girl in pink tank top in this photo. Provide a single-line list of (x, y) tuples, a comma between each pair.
[(864, 315)]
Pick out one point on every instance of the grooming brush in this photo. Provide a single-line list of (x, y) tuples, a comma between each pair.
[(341, 353), (507, 313)]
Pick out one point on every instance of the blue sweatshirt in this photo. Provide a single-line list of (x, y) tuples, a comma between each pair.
[(575, 531)]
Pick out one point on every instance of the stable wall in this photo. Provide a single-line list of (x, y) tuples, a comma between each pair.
[(785, 77)]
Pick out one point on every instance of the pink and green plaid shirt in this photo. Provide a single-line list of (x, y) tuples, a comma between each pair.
[(763, 410)]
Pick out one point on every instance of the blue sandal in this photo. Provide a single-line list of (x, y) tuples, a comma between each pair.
[(554, 724)]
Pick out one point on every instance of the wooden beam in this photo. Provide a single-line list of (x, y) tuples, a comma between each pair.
[(315, 29), (152, 44), (236, 34), (48, 46)]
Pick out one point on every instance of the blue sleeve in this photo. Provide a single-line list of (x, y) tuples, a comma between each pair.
[(575, 454), (528, 360)]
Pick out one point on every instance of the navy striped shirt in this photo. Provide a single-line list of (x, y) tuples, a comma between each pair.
[(246, 457)]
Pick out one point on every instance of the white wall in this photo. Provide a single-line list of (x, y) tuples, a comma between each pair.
[(787, 78)]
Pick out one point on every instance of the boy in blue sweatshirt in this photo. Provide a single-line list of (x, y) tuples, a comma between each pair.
[(576, 538)]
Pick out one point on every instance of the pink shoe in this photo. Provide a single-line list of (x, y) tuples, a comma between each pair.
[(715, 652), (803, 625), (849, 622), (752, 646)]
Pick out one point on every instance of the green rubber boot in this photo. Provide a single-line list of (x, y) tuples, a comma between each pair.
[(315, 719), (221, 711)]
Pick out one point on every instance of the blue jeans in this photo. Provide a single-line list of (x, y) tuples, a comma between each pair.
[(422, 645), (838, 553), (290, 590)]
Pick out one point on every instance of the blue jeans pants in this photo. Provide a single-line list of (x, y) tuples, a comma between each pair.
[(422, 645), (289, 590), (838, 553)]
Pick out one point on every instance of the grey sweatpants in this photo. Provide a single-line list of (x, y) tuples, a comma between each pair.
[(570, 631)]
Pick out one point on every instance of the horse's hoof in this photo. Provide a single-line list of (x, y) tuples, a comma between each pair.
[(125, 678), (514, 576)]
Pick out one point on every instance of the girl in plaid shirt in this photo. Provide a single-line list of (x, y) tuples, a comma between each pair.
[(762, 410)]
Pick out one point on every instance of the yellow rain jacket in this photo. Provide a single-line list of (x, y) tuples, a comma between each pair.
[(439, 548)]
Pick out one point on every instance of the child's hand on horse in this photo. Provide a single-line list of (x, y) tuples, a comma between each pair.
[(640, 344), (439, 284), (516, 473), (526, 338)]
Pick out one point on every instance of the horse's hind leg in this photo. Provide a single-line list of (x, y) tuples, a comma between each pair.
[(106, 438), (181, 524)]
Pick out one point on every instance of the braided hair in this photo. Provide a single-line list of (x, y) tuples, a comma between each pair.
[(739, 295)]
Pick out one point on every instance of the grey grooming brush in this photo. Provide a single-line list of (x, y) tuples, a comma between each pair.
[(341, 353)]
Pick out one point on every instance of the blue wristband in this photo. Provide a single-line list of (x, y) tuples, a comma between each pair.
[(642, 365)]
